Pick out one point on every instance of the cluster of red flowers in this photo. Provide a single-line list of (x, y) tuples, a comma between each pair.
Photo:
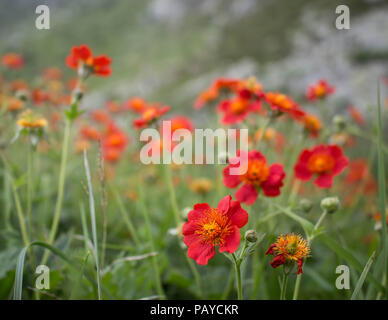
[(319, 90)]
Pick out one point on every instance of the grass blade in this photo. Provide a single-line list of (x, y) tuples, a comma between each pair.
[(382, 187), (93, 220), (364, 273)]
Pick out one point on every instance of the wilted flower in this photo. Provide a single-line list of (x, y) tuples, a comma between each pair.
[(209, 227), (288, 249)]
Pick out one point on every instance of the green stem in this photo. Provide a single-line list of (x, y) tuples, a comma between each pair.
[(284, 287), (237, 263), (126, 216), (158, 283), (321, 218), (61, 184), (29, 186)]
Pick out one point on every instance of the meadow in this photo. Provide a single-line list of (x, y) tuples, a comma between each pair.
[(304, 221)]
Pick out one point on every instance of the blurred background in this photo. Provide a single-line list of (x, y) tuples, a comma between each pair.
[(170, 50)]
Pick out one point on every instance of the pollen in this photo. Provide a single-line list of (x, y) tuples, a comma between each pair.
[(257, 173), (292, 247), (214, 227)]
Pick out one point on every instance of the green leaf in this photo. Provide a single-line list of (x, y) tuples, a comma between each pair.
[(348, 256), (364, 273), (382, 186)]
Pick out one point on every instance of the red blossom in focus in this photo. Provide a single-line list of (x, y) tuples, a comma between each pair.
[(209, 227), (319, 90), (259, 176), (322, 161), (82, 57)]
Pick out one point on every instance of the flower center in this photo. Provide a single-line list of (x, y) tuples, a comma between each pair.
[(257, 172), (239, 106), (214, 227), (320, 91), (321, 163), (149, 114)]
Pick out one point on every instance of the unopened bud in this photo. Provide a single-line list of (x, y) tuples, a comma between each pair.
[(330, 204), (339, 122), (77, 95), (305, 205), (22, 95), (251, 236)]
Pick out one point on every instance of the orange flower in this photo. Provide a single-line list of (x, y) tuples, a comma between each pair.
[(12, 60), (282, 103), (100, 116), (136, 104), (90, 133), (14, 104), (81, 57), (28, 119), (312, 124), (39, 96), (319, 91), (150, 115), (113, 106), (356, 115), (201, 185)]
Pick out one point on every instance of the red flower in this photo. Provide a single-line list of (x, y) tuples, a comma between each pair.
[(39, 96), (284, 104), (319, 91), (150, 115), (12, 60), (209, 227), (181, 122), (324, 161), (82, 57), (258, 176), (235, 110)]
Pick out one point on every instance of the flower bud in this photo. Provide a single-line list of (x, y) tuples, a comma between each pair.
[(305, 205), (330, 204), (77, 95), (22, 95), (339, 122), (251, 236)]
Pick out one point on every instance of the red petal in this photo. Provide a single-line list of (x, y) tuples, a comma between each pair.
[(238, 216), (232, 241), (247, 194), (324, 180), (198, 211), (224, 204), (201, 252)]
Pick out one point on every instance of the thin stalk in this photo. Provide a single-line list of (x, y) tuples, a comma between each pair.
[(29, 185), (158, 283), (125, 216), (284, 287), (94, 224), (237, 264), (382, 189), (61, 185)]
